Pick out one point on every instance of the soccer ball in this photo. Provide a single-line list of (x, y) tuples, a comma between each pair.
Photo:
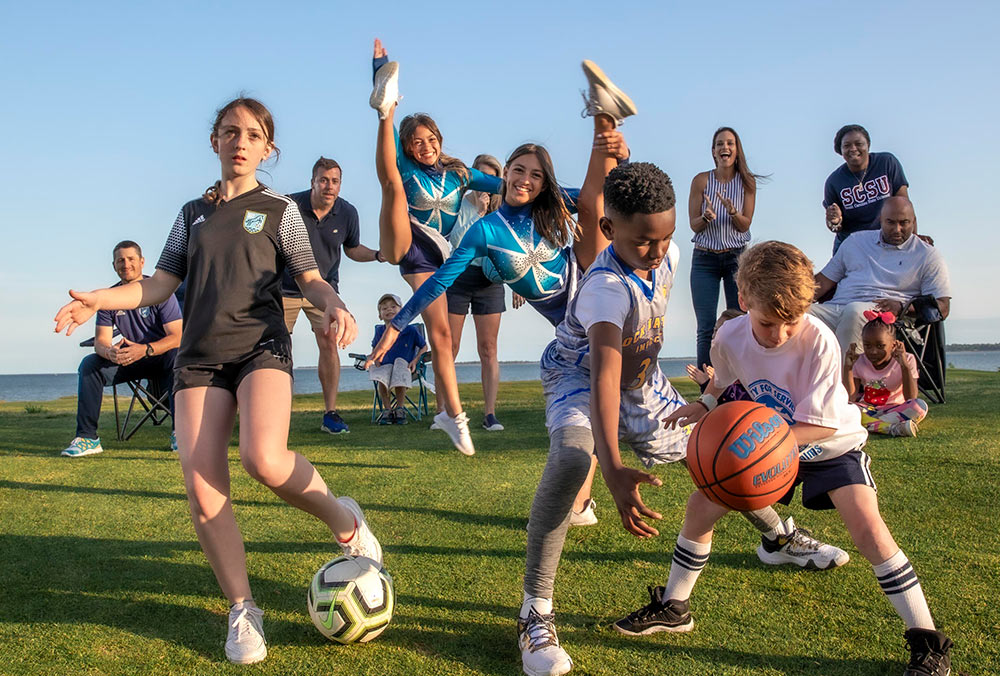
[(351, 599)]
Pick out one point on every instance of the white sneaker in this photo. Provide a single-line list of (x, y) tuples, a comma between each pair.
[(364, 542), (458, 429), (81, 446), (604, 96), (584, 517), (798, 546), (245, 643), (904, 428), (541, 654), (385, 93), (434, 424)]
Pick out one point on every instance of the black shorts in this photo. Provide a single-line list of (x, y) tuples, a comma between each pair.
[(474, 288), (273, 354), (422, 256), (819, 478)]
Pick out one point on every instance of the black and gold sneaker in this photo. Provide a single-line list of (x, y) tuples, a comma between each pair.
[(658, 615)]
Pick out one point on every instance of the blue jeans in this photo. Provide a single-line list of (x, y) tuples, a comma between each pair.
[(707, 270), (96, 373)]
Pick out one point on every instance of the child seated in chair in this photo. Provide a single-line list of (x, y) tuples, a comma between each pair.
[(398, 364), (882, 379)]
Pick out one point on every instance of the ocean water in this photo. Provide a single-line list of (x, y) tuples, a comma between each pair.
[(44, 387)]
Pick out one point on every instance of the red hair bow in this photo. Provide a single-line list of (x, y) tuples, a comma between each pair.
[(886, 317)]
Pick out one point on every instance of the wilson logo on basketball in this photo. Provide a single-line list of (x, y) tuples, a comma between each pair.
[(744, 444)]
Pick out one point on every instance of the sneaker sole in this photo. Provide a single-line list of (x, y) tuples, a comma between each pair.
[(252, 659), (324, 428), (596, 75), (493, 428), (587, 522), (656, 629), (382, 77), (558, 671), (92, 451), (774, 559)]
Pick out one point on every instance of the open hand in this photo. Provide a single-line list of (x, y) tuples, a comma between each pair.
[(700, 375), (76, 312), (688, 414), (612, 143), (517, 300), (383, 346), (727, 203), (623, 482)]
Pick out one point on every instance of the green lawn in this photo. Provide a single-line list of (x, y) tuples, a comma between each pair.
[(100, 572)]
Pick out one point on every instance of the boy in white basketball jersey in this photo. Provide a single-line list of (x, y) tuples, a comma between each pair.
[(789, 361), (603, 384)]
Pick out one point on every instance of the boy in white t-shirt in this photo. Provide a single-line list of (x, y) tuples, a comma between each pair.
[(791, 362), (603, 385), (882, 380)]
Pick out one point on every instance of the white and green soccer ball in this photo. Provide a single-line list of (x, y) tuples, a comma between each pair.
[(351, 599)]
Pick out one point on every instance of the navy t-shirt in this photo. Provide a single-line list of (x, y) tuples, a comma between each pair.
[(143, 325), (860, 197), (407, 343), (338, 228)]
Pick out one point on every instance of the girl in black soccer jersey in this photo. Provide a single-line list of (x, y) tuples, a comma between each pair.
[(232, 245)]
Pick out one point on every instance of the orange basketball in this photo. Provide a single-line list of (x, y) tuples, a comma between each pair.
[(742, 455)]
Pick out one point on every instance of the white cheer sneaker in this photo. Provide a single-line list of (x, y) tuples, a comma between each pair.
[(364, 542), (385, 93), (604, 97), (458, 429), (245, 643)]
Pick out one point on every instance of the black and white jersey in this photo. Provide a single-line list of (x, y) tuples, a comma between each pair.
[(232, 256)]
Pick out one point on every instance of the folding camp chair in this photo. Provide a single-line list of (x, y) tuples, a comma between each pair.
[(921, 329), (415, 409), (153, 401)]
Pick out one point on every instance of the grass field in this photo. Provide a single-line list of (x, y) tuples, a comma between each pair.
[(100, 572)]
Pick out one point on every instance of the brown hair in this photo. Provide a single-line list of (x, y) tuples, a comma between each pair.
[(263, 117), (408, 127), (126, 244), (325, 164), (548, 210), (747, 177), (779, 277), (494, 164)]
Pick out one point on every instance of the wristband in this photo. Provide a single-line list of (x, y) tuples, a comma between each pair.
[(708, 401)]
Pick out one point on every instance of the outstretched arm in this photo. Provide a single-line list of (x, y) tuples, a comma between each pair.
[(339, 326), (145, 292)]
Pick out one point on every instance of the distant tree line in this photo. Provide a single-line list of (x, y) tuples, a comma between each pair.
[(972, 347)]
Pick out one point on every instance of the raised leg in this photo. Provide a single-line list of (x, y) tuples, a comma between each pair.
[(591, 240), (395, 236)]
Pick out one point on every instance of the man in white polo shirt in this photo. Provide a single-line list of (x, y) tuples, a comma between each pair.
[(881, 269)]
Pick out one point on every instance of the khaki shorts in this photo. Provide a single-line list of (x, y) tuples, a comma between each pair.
[(292, 308)]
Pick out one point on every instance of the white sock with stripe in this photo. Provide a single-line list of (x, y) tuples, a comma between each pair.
[(689, 560), (900, 584)]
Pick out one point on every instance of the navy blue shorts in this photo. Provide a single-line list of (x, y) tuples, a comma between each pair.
[(422, 256), (474, 288), (819, 478)]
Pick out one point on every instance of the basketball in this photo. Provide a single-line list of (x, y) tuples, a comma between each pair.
[(742, 455)]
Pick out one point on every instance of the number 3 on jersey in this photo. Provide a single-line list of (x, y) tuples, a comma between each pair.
[(640, 377)]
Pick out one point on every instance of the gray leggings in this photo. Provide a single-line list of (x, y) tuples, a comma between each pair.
[(570, 451)]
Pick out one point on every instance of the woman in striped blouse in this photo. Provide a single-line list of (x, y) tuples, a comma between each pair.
[(720, 208)]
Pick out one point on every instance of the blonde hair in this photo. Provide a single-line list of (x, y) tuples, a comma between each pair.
[(494, 164), (779, 278)]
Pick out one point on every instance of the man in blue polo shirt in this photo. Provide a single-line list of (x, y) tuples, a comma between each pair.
[(149, 340), (332, 222)]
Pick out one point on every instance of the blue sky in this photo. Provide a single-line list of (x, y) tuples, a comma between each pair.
[(107, 108)]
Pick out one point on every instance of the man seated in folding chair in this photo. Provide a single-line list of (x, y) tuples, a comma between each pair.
[(149, 340), (398, 365), (881, 270)]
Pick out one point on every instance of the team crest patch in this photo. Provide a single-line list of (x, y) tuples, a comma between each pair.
[(253, 221)]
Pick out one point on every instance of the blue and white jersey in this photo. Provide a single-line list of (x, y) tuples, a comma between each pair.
[(514, 254), (434, 194), (611, 292)]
